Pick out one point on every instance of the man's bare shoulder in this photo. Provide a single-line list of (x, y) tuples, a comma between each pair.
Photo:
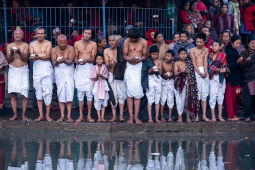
[(25, 44), (77, 43), (70, 47), (33, 43), (143, 40), (107, 50), (193, 49), (93, 43), (127, 41), (10, 45), (48, 42)]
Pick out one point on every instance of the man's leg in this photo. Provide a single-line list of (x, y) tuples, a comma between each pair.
[(14, 106), (89, 103), (137, 110), (48, 110), (80, 96), (40, 109), (62, 111), (157, 113), (149, 113), (113, 114), (24, 108), (121, 107), (220, 107), (69, 109), (130, 109), (203, 103)]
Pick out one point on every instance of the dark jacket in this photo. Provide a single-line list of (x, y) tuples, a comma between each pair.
[(248, 67), (235, 77), (120, 67), (147, 64)]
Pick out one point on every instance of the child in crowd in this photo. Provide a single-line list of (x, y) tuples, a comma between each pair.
[(167, 92), (180, 82), (217, 67), (100, 89), (151, 80)]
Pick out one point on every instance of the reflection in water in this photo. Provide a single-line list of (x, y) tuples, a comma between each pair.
[(16, 154)]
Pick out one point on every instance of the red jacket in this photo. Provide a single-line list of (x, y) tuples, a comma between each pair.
[(209, 44), (250, 18), (148, 36), (184, 17)]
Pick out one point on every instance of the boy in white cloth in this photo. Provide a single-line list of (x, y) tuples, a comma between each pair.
[(18, 75), (40, 51), (116, 66), (134, 52), (179, 160), (62, 58), (151, 81), (199, 57), (217, 69), (167, 92), (85, 50), (219, 164)]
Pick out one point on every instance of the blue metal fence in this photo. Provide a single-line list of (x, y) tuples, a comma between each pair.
[(103, 20)]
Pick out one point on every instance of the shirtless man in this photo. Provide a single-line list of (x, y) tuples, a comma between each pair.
[(85, 50), (40, 51), (116, 67), (18, 75), (199, 57), (62, 58), (134, 52)]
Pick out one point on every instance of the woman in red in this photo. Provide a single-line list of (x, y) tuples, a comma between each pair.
[(234, 79), (184, 16)]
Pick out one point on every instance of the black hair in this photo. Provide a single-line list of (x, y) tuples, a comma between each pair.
[(184, 32), (153, 49), (224, 4), (182, 49), (251, 38), (157, 33), (235, 38), (99, 55), (176, 33), (100, 39), (201, 35), (205, 27), (225, 31), (216, 41), (171, 52), (133, 33), (87, 28), (190, 5)]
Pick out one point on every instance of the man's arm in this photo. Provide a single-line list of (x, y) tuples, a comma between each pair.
[(176, 70), (46, 56), (93, 53), (10, 54), (206, 62), (54, 57), (70, 59), (145, 47), (106, 59), (76, 52)]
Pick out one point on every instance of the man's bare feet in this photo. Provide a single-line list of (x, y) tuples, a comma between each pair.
[(221, 119), (99, 119), (170, 120), (205, 119), (247, 119), (103, 120), (79, 119), (14, 117), (91, 120), (49, 119), (180, 120), (113, 119), (25, 118), (61, 119), (69, 119), (163, 120), (130, 121), (188, 120), (122, 119), (213, 120), (39, 119), (150, 121), (233, 119), (137, 121), (157, 120), (196, 120)]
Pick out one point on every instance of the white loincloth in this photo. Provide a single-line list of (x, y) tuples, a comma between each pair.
[(39, 165), (167, 93), (99, 103), (120, 163), (18, 80), (81, 164), (118, 88), (89, 164), (202, 165), (180, 100), (133, 80), (47, 162), (163, 163), (217, 91), (83, 82), (62, 164), (220, 163), (153, 164), (179, 161), (202, 85), (154, 92), (65, 82), (170, 161), (135, 167), (24, 166), (43, 80)]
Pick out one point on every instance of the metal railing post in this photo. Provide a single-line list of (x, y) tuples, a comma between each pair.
[(104, 25), (5, 21)]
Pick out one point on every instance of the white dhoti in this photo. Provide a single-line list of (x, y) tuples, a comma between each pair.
[(83, 82), (81, 164), (133, 80), (18, 80), (179, 161), (99, 103), (47, 162), (202, 85), (167, 93), (180, 100), (217, 91), (154, 92), (89, 164), (163, 163), (43, 80), (120, 163), (202, 165), (135, 167), (118, 88), (170, 161), (153, 164), (39, 165), (65, 82), (62, 164)]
